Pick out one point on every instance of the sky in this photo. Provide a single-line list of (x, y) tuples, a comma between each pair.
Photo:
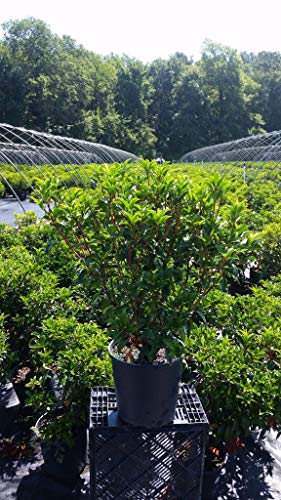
[(147, 29)]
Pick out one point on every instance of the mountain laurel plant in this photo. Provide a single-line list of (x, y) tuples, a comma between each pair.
[(5, 354), (237, 355), (153, 242), (70, 358)]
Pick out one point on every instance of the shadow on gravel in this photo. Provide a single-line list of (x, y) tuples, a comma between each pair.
[(245, 476), (39, 486), (12, 471), (249, 475)]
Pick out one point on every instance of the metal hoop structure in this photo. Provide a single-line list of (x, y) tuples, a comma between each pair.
[(19, 146), (255, 148)]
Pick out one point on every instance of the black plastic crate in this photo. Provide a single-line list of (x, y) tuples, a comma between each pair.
[(147, 464)]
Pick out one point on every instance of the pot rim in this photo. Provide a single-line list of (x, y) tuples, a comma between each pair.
[(38, 424), (44, 418), (159, 365)]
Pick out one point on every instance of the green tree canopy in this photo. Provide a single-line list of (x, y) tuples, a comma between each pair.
[(165, 108)]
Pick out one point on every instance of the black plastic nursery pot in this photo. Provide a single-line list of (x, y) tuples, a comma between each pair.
[(61, 461), (9, 407), (146, 394)]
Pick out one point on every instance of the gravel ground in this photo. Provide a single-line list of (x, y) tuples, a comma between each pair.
[(25, 479), (8, 207), (253, 474)]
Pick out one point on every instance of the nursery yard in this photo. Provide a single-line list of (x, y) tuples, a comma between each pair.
[(51, 328)]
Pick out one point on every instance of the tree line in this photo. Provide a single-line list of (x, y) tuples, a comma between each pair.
[(167, 107)]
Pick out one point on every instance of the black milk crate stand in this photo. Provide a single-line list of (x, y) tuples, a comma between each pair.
[(139, 464)]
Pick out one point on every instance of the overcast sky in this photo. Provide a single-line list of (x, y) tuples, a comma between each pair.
[(147, 29)]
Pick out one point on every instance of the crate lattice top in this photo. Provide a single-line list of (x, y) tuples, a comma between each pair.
[(189, 407)]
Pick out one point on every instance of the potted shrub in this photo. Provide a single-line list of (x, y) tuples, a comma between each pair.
[(2, 189), (9, 402), (16, 184), (239, 379), (70, 358), (151, 244)]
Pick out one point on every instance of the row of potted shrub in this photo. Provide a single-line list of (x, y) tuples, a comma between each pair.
[(257, 183), (20, 180), (49, 340)]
